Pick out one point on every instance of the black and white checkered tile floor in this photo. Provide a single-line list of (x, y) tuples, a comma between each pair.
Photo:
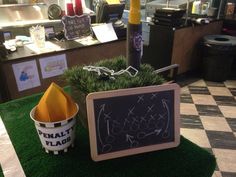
[(208, 118)]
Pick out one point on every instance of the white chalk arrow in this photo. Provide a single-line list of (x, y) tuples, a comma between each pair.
[(108, 127), (133, 143), (102, 108), (168, 117), (156, 131), (129, 138), (142, 135)]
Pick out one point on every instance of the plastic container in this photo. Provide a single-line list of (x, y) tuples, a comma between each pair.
[(218, 57), (56, 136)]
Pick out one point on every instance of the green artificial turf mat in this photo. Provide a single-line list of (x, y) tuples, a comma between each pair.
[(1, 173), (89, 81), (187, 160)]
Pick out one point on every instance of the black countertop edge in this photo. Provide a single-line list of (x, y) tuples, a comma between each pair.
[(190, 24), (24, 52), (230, 21)]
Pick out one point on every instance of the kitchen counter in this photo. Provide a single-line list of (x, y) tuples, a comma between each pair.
[(73, 53), (30, 50)]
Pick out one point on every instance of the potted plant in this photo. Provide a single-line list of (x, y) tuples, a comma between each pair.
[(83, 82)]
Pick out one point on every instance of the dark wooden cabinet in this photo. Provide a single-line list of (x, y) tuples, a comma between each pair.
[(181, 46), (158, 52)]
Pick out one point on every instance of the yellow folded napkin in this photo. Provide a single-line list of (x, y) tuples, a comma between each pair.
[(55, 105)]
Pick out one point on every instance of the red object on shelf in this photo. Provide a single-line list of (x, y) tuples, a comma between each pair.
[(70, 9), (78, 7)]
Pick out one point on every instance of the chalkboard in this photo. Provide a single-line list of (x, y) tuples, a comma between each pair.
[(77, 26), (131, 121)]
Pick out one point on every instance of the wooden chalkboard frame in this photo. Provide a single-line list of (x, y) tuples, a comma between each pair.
[(127, 92)]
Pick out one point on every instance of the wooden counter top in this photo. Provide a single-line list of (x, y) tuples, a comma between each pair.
[(60, 46)]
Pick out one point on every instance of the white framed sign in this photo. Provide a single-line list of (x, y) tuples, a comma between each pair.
[(26, 75), (53, 65)]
